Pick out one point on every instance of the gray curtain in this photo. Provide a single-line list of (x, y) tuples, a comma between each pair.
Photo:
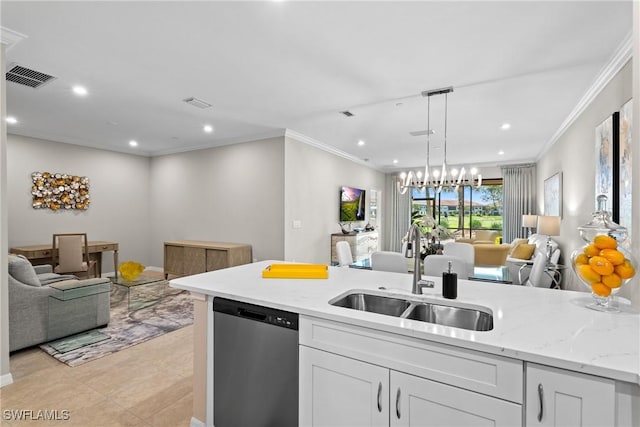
[(519, 198), (397, 216)]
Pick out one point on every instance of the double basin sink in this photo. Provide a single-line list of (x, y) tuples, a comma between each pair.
[(475, 318)]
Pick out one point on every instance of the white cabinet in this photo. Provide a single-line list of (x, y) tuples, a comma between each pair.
[(420, 402), (556, 397), (362, 244), (338, 391)]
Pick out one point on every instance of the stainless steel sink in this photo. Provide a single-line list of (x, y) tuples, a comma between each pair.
[(458, 317), (374, 303), (475, 318)]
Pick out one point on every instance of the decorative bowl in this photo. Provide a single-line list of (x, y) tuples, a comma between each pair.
[(130, 270)]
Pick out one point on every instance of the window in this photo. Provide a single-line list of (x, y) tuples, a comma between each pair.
[(464, 210)]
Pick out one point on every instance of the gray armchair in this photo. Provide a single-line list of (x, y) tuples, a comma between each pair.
[(39, 313)]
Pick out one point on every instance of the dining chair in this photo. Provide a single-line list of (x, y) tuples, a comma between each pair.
[(343, 250), (542, 274), (466, 251), (71, 255), (389, 261), (435, 265)]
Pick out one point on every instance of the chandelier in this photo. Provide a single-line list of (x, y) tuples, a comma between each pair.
[(445, 177)]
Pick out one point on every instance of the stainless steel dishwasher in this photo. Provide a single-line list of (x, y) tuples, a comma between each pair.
[(255, 365)]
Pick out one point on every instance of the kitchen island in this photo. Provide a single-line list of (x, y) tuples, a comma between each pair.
[(547, 360)]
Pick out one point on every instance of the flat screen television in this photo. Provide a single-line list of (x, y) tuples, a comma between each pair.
[(352, 204)]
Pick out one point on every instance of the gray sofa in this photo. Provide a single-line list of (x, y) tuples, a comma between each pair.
[(39, 312)]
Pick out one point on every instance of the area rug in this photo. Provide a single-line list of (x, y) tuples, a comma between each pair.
[(126, 328)]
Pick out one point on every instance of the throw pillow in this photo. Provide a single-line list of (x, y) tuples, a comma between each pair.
[(21, 269), (523, 251)]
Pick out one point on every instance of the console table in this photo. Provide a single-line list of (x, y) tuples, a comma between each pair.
[(43, 254), (187, 257)]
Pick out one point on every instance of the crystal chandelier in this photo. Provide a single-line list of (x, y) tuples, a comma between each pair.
[(443, 177)]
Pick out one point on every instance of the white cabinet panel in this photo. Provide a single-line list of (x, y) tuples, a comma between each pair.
[(561, 398), (420, 402), (338, 391)]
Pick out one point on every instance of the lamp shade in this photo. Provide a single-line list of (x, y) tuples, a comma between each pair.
[(549, 225), (529, 221)]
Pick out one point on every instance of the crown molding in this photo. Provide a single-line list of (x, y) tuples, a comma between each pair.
[(288, 133), (9, 37), (620, 57)]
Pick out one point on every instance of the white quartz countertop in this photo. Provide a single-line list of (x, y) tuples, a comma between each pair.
[(545, 326)]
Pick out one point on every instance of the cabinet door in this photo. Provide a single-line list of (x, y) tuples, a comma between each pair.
[(173, 260), (555, 397), (195, 261), (217, 259), (338, 391), (419, 402)]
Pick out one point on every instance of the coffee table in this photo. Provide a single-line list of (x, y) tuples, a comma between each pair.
[(143, 291)]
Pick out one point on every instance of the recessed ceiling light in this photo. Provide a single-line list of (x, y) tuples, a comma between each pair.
[(395, 161), (133, 143), (80, 90), (361, 143), (11, 120), (500, 153), (505, 126), (208, 128)]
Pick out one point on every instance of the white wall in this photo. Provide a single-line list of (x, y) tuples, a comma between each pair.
[(574, 155), (228, 194), (313, 178), (119, 189)]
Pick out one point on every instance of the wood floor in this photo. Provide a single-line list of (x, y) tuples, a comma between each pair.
[(149, 384)]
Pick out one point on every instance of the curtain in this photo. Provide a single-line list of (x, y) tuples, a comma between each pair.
[(397, 216), (519, 198)]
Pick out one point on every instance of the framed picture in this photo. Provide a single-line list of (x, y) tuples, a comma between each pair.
[(624, 157), (604, 160), (553, 195)]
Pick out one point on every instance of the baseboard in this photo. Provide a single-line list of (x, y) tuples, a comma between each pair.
[(6, 379), (196, 423)]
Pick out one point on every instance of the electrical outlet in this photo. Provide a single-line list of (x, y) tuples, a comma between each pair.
[(297, 223)]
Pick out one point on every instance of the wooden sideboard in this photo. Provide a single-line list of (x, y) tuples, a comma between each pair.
[(187, 257), (362, 244)]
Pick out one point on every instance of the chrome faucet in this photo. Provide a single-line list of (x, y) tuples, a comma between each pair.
[(413, 250)]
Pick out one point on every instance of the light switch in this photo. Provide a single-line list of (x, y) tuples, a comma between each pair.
[(297, 223)]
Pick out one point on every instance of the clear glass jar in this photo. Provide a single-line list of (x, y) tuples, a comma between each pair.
[(602, 264)]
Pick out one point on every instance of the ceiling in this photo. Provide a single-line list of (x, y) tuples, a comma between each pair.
[(274, 65)]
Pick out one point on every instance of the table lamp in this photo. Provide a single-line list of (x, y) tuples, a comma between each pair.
[(529, 221), (549, 226)]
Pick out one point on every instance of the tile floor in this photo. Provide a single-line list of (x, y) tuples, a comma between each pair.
[(149, 384)]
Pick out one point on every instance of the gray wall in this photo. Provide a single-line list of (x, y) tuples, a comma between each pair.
[(227, 194), (119, 189), (313, 178), (574, 155)]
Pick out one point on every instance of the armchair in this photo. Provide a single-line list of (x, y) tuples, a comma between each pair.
[(31, 297), (519, 268)]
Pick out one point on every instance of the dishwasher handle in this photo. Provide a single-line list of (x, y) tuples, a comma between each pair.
[(250, 314)]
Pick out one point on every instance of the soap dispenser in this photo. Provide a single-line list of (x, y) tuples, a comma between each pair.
[(449, 284)]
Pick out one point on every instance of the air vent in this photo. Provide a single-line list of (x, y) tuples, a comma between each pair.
[(347, 113), (422, 132), (27, 77), (197, 102)]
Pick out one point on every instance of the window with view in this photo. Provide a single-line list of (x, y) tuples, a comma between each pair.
[(464, 210)]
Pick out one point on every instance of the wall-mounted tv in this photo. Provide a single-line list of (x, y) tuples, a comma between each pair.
[(352, 204)]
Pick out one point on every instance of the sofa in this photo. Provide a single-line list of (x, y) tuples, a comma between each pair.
[(523, 253), (37, 314), (487, 252), (480, 236)]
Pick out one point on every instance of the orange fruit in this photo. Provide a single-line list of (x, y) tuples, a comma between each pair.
[(612, 280), (625, 270), (601, 265), (614, 256), (601, 289), (591, 250), (582, 259), (602, 241), (587, 273)]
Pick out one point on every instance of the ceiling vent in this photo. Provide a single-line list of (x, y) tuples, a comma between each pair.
[(347, 113), (27, 77), (422, 132), (197, 102)]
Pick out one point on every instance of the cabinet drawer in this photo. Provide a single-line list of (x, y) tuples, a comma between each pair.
[(473, 370), (104, 248)]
